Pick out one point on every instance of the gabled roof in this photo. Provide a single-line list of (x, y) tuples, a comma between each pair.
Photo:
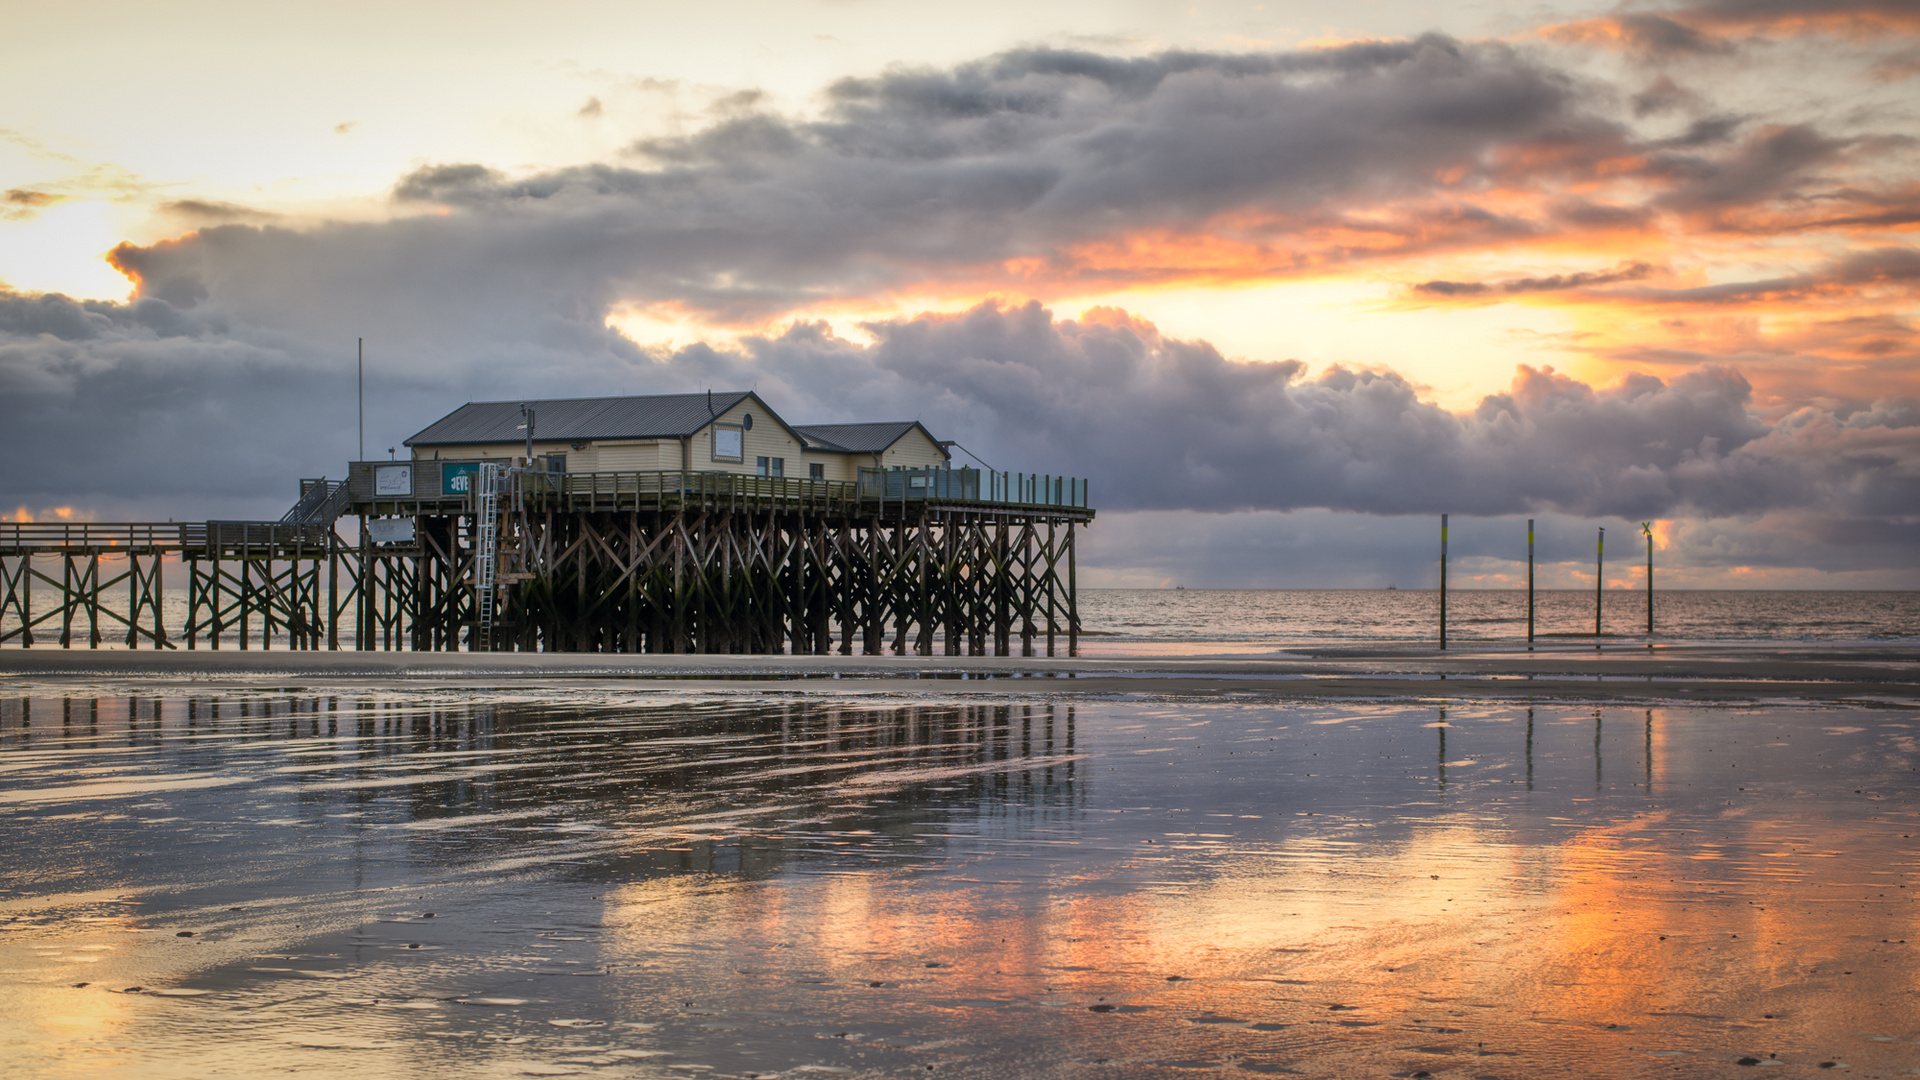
[(860, 438), (655, 416)]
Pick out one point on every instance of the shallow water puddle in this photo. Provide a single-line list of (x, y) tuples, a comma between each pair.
[(1110, 888)]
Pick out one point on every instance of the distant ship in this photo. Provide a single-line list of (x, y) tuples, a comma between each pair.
[(1393, 588)]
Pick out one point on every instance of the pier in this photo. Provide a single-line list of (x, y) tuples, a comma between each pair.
[(484, 556)]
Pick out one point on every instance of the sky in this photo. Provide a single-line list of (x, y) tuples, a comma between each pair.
[(1285, 281)]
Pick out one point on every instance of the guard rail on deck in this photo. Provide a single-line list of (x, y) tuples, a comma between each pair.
[(595, 490), (52, 536), (972, 485), (322, 501), (444, 486), (81, 535)]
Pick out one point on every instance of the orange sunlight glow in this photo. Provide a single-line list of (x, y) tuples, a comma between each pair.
[(25, 516)]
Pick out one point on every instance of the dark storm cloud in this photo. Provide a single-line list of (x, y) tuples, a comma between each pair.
[(1026, 156), (145, 400), (1164, 423)]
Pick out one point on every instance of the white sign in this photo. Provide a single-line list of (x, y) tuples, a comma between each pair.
[(393, 480), (726, 442), (390, 530)]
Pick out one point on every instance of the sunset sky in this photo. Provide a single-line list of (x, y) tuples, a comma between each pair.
[(1285, 280)]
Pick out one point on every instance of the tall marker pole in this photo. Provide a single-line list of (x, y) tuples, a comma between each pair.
[(1647, 527), (1599, 581), (1529, 583), (361, 346), (1443, 581)]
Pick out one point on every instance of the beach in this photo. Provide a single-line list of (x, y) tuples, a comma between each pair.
[(1356, 859)]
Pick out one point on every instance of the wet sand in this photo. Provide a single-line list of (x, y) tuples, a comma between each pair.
[(1710, 673), (1697, 863)]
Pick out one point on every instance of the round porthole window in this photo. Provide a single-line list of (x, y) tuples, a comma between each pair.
[(746, 421)]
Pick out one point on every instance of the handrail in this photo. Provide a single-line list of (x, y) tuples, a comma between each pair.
[(615, 489), (101, 533), (148, 534), (973, 485)]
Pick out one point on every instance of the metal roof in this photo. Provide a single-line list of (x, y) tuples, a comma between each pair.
[(656, 416), (859, 438)]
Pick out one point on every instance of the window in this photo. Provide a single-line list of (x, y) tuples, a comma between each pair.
[(726, 443), (816, 471), (556, 463), (770, 466), (760, 465), (779, 466)]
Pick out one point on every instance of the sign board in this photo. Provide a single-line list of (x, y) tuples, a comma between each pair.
[(393, 480), (390, 530), (459, 478), (726, 443)]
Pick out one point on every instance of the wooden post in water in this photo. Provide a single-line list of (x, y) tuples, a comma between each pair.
[(1529, 584), (1599, 581), (1443, 581), (1647, 527)]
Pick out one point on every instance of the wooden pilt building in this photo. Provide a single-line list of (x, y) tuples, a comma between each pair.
[(667, 523)]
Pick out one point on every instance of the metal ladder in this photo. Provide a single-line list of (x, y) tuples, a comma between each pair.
[(486, 510)]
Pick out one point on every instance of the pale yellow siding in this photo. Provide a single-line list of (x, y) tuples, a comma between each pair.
[(769, 438), (836, 466), (913, 451), (649, 456)]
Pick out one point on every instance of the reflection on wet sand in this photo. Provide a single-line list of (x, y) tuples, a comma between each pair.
[(488, 885)]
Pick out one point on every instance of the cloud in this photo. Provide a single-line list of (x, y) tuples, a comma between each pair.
[(20, 204), (1635, 271), (1044, 173), (346, 127), (148, 398), (1879, 268), (591, 110), (1047, 166), (1648, 36)]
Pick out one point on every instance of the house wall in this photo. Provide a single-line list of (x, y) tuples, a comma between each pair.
[(769, 438), (914, 450), (835, 465), (631, 455)]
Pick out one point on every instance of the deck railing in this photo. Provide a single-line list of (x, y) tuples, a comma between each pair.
[(447, 481), (587, 490), (973, 485), (101, 534)]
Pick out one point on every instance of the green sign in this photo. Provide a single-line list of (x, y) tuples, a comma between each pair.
[(459, 478)]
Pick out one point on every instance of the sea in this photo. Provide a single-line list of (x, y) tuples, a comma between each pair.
[(1219, 622), (1232, 622)]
